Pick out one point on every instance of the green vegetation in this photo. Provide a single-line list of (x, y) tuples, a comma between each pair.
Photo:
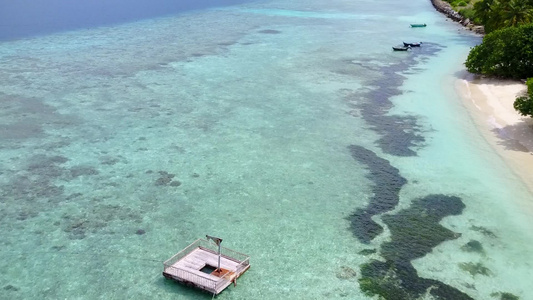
[(465, 8), (506, 53), (469, 13), (507, 49), (524, 105), (495, 15)]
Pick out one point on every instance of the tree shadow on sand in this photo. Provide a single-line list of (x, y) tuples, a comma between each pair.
[(516, 137)]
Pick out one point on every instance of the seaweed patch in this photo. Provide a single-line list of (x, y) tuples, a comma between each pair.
[(473, 246), (505, 296), (98, 219), (475, 269), (399, 134), (11, 288), (26, 118), (367, 251), (415, 231), (346, 273), (270, 31), (486, 232), (386, 189), (78, 171), (37, 179), (165, 178)]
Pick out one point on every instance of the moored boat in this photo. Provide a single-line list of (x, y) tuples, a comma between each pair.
[(400, 48), (412, 44), (418, 25)]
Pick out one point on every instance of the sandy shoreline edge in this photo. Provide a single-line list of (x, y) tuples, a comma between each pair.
[(490, 103)]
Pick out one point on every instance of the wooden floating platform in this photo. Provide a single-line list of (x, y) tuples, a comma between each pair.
[(196, 265)]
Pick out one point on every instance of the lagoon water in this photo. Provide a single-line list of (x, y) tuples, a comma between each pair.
[(288, 128)]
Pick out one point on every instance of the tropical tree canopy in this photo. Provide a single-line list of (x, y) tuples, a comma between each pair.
[(504, 53), (497, 14), (524, 105)]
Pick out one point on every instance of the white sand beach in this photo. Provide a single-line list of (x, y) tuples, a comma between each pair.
[(490, 102)]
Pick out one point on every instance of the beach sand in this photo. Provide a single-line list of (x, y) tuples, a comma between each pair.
[(490, 102)]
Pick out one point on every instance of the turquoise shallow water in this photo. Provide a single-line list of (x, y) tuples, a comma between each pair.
[(289, 129)]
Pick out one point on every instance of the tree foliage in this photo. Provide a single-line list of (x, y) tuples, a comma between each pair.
[(507, 49), (504, 53), (524, 105), (497, 14)]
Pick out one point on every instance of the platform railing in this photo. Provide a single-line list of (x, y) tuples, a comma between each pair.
[(171, 261), (242, 260), (243, 265), (225, 252), (206, 283)]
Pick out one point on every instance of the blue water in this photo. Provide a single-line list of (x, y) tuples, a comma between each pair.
[(24, 18), (288, 128)]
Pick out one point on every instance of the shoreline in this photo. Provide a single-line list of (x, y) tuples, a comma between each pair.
[(446, 9), (490, 103)]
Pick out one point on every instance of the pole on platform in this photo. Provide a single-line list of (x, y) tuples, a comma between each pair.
[(217, 241)]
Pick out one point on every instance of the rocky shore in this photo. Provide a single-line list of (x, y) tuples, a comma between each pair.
[(446, 8)]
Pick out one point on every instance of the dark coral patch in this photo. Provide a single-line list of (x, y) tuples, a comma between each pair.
[(380, 278), (415, 231), (386, 190), (473, 246), (73, 196), (367, 251), (228, 43), (49, 166), (505, 296), (363, 227), (346, 273), (163, 181), (397, 280), (77, 229), (270, 31), (400, 135), (30, 117), (11, 288), (26, 214), (78, 171), (165, 178), (486, 232), (475, 269), (175, 183), (36, 180), (98, 218), (109, 160)]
